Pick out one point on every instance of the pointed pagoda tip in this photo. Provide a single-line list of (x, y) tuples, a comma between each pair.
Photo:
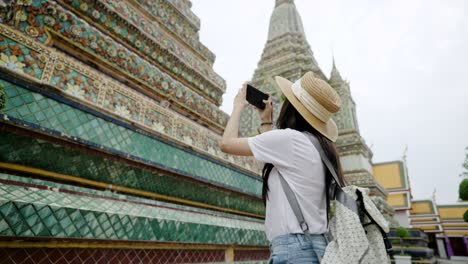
[(335, 74), (334, 69), (333, 59), (285, 19), (280, 2)]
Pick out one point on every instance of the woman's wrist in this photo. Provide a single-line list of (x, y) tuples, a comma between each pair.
[(266, 118), (237, 108), (265, 127)]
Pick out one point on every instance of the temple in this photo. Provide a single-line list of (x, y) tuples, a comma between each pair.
[(109, 123), (109, 127), (435, 229), (288, 54), (432, 232)]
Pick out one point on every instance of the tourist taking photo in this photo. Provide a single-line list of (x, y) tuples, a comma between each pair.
[(289, 155)]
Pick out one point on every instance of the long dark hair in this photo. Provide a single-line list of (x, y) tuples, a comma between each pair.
[(289, 117)]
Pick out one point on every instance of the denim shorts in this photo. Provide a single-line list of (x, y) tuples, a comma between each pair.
[(297, 248)]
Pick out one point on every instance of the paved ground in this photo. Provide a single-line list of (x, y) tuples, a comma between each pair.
[(457, 261)]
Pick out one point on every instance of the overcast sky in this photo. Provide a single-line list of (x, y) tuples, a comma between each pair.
[(406, 62)]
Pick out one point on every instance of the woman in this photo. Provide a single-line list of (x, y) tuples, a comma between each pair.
[(306, 112)]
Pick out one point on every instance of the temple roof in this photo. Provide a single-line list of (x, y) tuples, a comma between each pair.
[(285, 19)]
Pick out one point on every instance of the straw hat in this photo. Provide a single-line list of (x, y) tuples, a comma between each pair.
[(315, 100)]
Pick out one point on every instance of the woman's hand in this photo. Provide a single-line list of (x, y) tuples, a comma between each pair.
[(239, 101), (266, 115)]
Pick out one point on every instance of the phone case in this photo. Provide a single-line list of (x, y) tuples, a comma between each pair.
[(255, 97)]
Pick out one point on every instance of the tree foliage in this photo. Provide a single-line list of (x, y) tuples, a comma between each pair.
[(463, 190), (402, 232), (465, 164), (465, 216)]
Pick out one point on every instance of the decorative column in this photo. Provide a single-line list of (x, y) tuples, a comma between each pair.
[(229, 255), (465, 240), (441, 247), (449, 247)]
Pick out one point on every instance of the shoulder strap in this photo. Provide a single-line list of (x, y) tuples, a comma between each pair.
[(330, 193), (325, 160), (292, 199)]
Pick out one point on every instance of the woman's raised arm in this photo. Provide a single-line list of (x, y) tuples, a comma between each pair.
[(231, 143)]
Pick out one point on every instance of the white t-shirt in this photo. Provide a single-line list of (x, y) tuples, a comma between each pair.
[(292, 153)]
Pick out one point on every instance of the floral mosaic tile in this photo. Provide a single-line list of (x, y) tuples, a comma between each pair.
[(157, 47), (173, 15), (170, 17), (183, 7), (107, 51), (21, 59), (121, 104), (88, 85), (75, 83), (158, 121), (187, 134), (209, 143)]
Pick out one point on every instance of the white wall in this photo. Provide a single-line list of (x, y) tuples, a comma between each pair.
[(355, 162), (402, 217)]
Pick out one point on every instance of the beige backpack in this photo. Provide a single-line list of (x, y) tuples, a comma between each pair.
[(357, 230)]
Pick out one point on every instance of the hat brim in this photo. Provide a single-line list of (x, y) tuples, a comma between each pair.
[(328, 129)]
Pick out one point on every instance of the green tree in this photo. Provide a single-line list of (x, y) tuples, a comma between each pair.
[(402, 232), (463, 190), (465, 164), (465, 216)]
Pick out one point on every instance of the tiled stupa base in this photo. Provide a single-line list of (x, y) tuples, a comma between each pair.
[(98, 256), (109, 130)]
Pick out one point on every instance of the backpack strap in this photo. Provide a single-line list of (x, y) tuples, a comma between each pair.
[(330, 194), (325, 160), (292, 199)]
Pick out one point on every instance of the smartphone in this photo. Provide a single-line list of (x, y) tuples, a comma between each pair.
[(255, 97)]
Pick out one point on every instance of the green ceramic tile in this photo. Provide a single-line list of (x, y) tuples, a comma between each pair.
[(37, 212), (131, 141), (76, 123), (75, 217)]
